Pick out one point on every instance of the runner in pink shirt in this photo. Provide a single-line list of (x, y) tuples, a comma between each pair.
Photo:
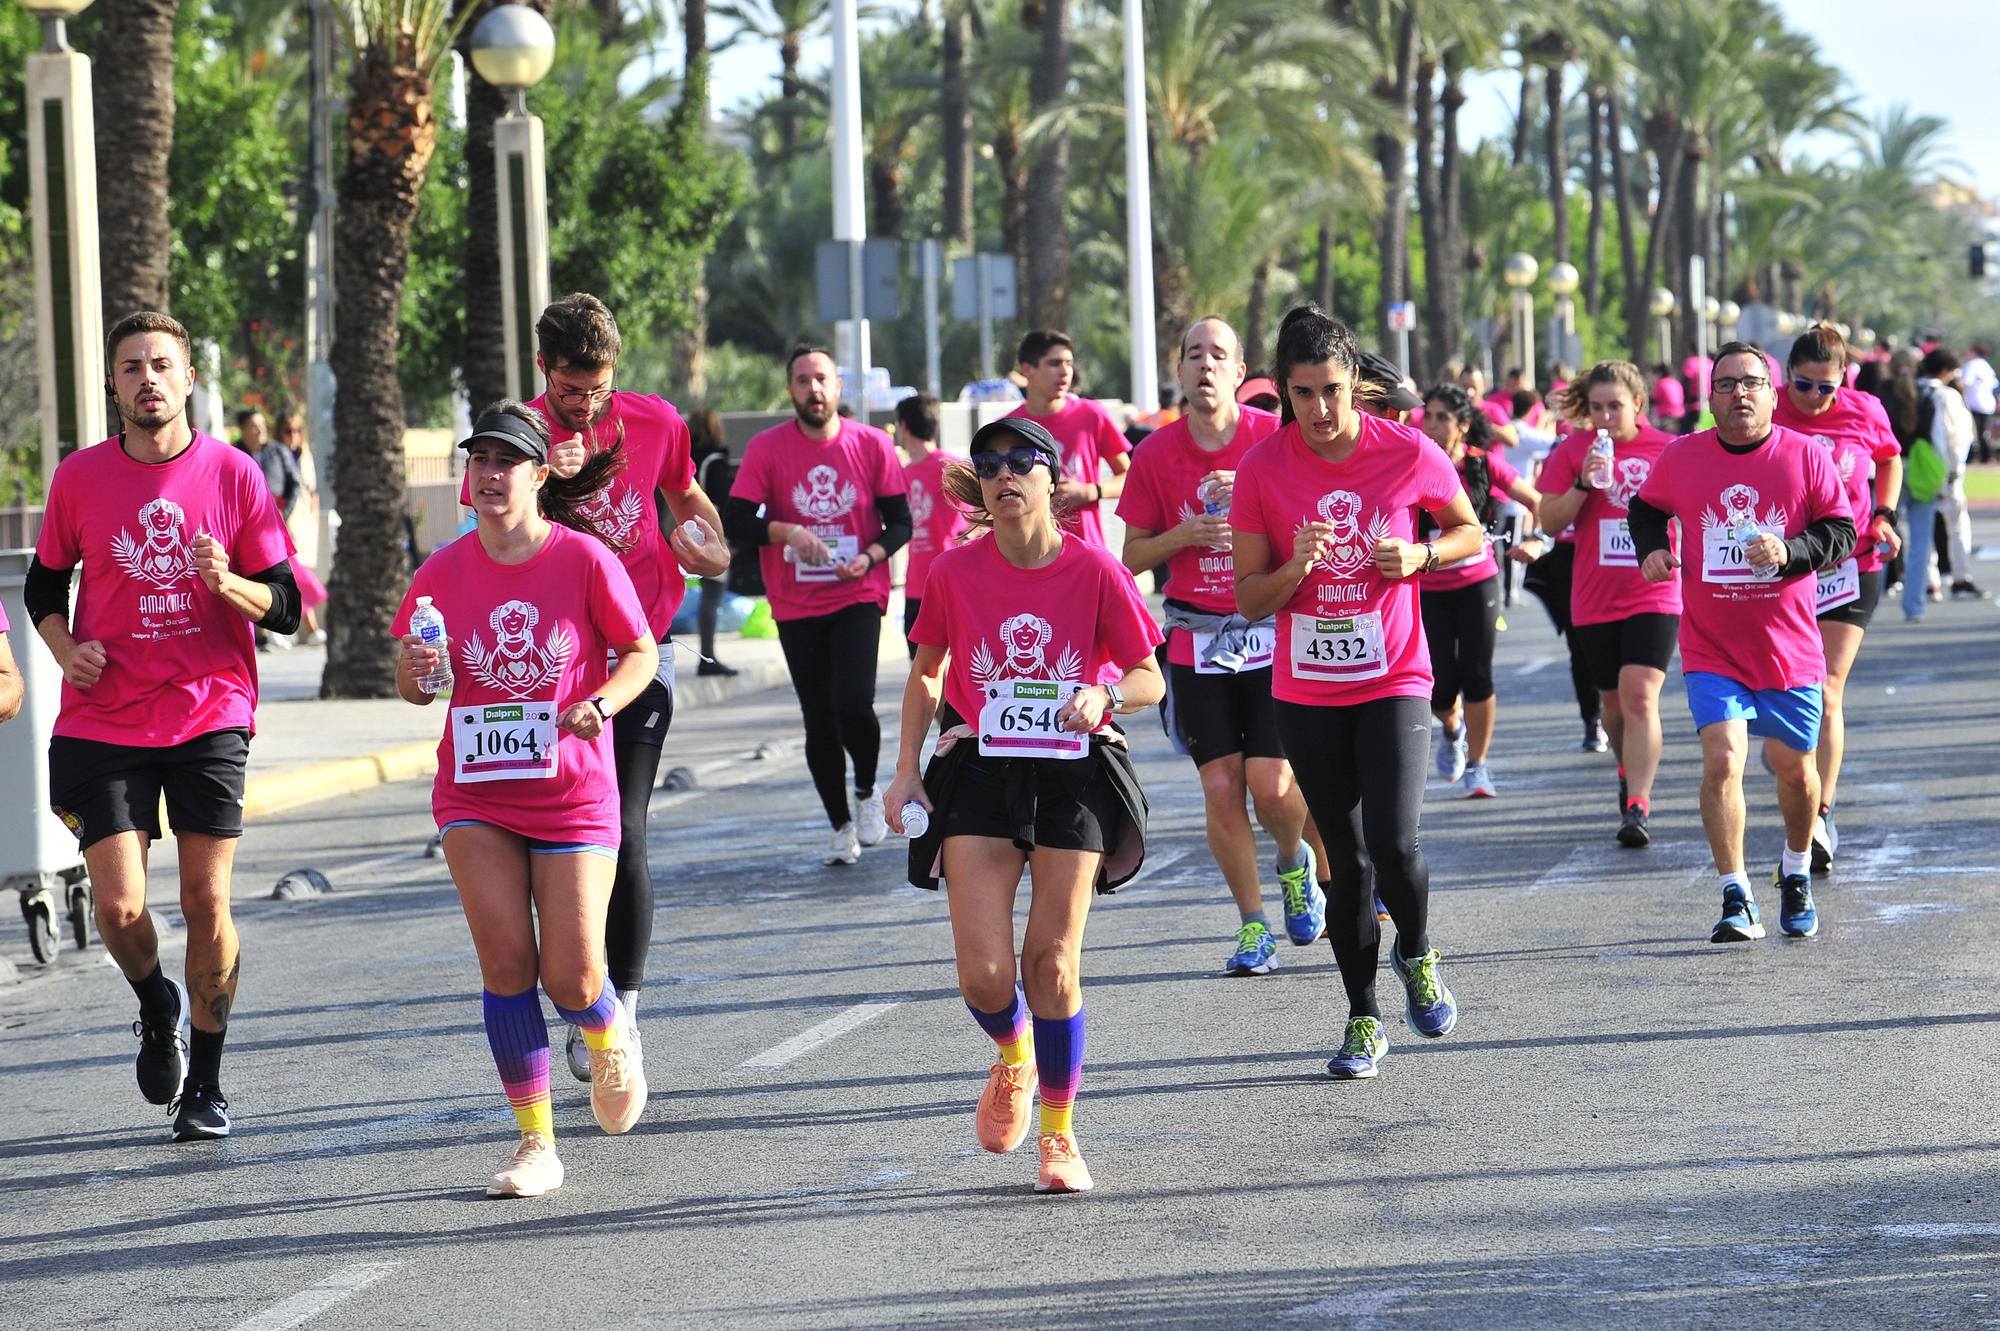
[(935, 522), (1034, 638), (10, 674), (822, 498), (1091, 442), (1622, 626), (181, 550), (1176, 510), (577, 347), (1855, 429), (1669, 399), (1461, 599), (1324, 524), (1762, 510), (534, 603)]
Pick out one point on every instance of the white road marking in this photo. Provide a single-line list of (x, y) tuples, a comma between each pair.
[(1155, 863), (814, 1036), (313, 1300), (1949, 1230), (1533, 666)]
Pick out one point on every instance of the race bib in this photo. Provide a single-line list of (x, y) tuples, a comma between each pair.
[(1614, 544), (1342, 650), (1723, 560), (1019, 719), (1259, 647), (841, 548), (1838, 586), (503, 741)]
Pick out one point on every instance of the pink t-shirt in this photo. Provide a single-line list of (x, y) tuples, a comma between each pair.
[(1696, 371), (1607, 585), (829, 486), (4, 625), (1498, 407), (656, 458), (1160, 494), (935, 522), (1080, 619), (527, 640), (1759, 632), (179, 661), (1856, 428), (1669, 401), (1348, 635), (1089, 438), (1482, 565)]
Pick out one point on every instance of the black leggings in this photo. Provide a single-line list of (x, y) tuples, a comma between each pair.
[(636, 736), (1371, 754), (1559, 570), (832, 660), (1463, 628), (706, 610)]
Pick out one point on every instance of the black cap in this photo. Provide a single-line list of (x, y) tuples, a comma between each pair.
[(509, 429), (1379, 370), (1011, 432)]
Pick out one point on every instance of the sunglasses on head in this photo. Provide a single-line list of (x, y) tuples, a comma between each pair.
[(1020, 461), (1814, 386)]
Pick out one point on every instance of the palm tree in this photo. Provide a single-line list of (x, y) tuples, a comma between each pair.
[(1390, 27), (955, 118), (691, 343), (391, 132), (134, 138), (899, 98), (788, 24), (1047, 273)]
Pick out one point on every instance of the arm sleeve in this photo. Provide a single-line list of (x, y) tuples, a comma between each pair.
[(46, 591), (1824, 542), (283, 616), (1649, 528), (895, 511), (742, 524)]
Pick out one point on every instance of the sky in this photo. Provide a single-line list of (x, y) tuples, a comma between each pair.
[(1937, 56)]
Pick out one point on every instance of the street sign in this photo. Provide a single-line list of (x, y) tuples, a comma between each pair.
[(993, 271), (1402, 316), (881, 290)]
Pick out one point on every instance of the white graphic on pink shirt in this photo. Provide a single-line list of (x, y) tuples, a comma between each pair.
[(1627, 476), (920, 506), (1026, 638), (818, 499), (517, 665), (617, 521), (1739, 506), (165, 557), (1350, 547)]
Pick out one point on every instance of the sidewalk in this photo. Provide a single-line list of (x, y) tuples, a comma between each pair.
[(310, 748)]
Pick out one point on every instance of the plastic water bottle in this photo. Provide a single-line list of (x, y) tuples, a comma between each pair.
[(916, 820), (1210, 504), (427, 623), (1600, 447), (692, 530)]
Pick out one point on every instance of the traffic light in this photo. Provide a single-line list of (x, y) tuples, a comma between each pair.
[(1976, 261)]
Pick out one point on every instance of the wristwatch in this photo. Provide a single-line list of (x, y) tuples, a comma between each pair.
[(1117, 696), (603, 711)]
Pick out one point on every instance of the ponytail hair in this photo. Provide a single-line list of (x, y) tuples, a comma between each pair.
[(1819, 344), (561, 498), (1576, 398), (1310, 336)]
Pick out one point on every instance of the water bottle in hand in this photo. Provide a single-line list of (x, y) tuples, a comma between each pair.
[(1600, 447), (1214, 504), (428, 623), (692, 530), (916, 820)]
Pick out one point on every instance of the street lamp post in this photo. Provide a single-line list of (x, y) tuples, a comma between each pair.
[(1711, 312), (1139, 215), (62, 176), (1519, 273), (512, 48), (1662, 307), (1563, 281), (850, 219), (1726, 316)]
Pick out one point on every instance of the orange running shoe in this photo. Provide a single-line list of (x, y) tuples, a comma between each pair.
[(1063, 1169), (1001, 1121)]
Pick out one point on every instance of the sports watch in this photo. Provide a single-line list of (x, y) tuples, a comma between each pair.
[(603, 710), (1117, 696)]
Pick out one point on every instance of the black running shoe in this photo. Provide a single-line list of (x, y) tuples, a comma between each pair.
[(1632, 832), (715, 668), (162, 1063), (201, 1114)]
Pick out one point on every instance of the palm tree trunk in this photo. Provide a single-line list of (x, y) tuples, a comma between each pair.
[(1666, 146), (1322, 279), (1450, 271), (1430, 219), (1628, 223), (1524, 115), (955, 109), (1688, 230), (1558, 154), (1048, 181), (1257, 318), (1391, 153), (885, 192), (1013, 196), (1171, 311), (391, 133), (690, 344), (1593, 245), (134, 137), (792, 89)]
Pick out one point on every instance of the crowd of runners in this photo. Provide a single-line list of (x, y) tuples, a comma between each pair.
[(1333, 573)]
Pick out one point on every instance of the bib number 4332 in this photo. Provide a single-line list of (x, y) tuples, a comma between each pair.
[(1342, 649)]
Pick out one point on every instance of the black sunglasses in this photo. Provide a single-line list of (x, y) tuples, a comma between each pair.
[(1020, 461), (1814, 386)]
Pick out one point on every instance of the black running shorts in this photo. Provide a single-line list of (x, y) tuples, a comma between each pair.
[(1862, 608), (1085, 820), (1218, 715), (1641, 640), (100, 789)]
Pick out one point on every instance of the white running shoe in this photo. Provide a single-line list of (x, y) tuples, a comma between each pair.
[(872, 822), (846, 847), (531, 1169), (1479, 783), (1451, 755), (578, 1054)]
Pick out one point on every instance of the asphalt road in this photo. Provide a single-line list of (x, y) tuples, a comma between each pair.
[(1630, 1127)]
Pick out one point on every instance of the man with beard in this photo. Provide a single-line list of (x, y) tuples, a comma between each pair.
[(1762, 512), (824, 500), (577, 348), (160, 689)]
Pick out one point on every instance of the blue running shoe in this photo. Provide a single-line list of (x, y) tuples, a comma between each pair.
[(1740, 922), (1256, 951), (1381, 911), (1428, 1005), (1305, 902), (1451, 755), (1796, 915), (1361, 1052)]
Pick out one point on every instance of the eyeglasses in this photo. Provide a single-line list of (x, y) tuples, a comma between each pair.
[(581, 398), (1020, 461), (1749, 383), (1814, 386)]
